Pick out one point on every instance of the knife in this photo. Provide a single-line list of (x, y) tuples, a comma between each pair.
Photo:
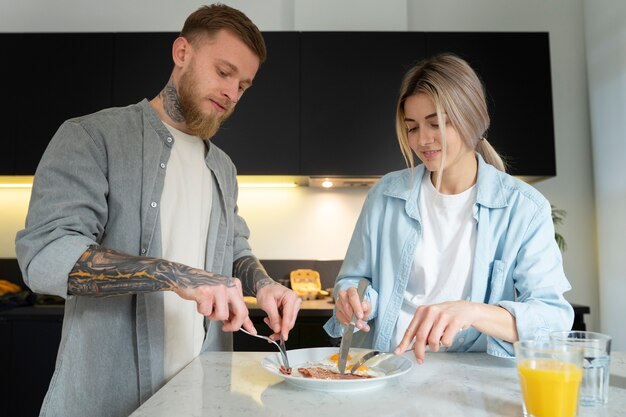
[(346, 339)]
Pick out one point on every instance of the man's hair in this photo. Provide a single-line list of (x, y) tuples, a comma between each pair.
[(208, 20)]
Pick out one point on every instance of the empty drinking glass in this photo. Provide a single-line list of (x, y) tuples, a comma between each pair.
[(594, 389)]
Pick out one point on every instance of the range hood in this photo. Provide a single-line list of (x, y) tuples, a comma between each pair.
[(290, 181), (342, 182)]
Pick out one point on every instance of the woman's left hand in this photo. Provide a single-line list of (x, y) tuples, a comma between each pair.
[(436, 325)]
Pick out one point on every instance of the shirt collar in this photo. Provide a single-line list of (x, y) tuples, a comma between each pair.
[(489, 186)]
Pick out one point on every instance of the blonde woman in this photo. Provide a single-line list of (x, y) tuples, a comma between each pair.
[(460, 255)]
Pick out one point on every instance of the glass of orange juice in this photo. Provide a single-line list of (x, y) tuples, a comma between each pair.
[(549, 375)]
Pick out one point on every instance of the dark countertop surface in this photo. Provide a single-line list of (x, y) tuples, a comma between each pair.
[(310, 308)]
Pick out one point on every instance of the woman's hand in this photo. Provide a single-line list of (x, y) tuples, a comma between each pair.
[(436, 325), (347, 303)]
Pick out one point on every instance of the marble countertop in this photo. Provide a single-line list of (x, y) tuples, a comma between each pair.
[(447, 384)]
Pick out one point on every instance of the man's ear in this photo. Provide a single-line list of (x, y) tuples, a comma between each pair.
[(180, 51)]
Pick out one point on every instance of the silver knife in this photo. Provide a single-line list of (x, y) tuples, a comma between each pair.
[(346, 339)]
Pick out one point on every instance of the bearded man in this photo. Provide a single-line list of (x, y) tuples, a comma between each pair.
[(133, 220)]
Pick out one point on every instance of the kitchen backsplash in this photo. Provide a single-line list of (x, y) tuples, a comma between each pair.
[(295, 223)]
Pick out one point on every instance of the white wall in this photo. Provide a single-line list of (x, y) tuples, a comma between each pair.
[(605, 28), (132, 16), (571, 190), (300, 223), (13, 207)]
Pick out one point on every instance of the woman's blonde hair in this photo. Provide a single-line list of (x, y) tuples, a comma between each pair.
[(456, 91)]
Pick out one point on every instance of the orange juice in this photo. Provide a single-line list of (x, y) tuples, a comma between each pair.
[(549, 387)]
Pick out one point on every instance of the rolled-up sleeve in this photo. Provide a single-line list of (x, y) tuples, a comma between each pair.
[(540, 282), (67, 211)]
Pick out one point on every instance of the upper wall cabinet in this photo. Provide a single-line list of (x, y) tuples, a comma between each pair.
[(9, 48), (261, 136), (323, 103), (52, 77), (349, 89), (515, 68), (265, 121), (142, 65)]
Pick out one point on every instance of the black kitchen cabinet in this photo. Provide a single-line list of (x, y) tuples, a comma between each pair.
[(350, 83), (261, 136), (30, 341), (64, 75), (59, 76), (142, 66), (10, 50), (308, 332), (5, 373), (515, 68), (323, 103)]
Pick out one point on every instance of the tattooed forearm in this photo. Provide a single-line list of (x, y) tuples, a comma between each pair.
[(252, 274), (171, 104), (102, 272)]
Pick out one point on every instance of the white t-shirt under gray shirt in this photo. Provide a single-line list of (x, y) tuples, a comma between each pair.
[(185, 213), (442, 263)]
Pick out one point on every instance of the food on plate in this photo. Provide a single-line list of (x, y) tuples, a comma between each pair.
[(284, 370), (321, 373), (327, 368)]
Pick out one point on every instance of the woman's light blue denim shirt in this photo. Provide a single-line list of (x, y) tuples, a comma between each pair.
[(517, 263)]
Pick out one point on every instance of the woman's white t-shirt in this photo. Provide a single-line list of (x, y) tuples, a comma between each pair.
[(442, 263), (185, 213)]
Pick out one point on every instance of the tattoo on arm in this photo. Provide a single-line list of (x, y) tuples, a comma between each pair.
[(102, 272), (171, 103), (252, 274)]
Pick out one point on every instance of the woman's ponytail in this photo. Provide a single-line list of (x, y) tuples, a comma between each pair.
[(490, 155)]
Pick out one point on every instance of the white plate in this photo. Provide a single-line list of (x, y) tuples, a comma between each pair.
[(393, 366)]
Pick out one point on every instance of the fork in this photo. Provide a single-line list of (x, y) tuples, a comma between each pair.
[(281, 347), (364, 358)]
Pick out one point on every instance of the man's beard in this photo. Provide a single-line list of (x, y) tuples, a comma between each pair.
[(200, 124)]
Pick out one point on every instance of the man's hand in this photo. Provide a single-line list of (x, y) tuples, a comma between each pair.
[(347, 304), (281, 305), (221, 302)]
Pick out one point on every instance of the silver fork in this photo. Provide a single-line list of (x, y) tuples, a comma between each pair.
[(364, 358), (281, 347)]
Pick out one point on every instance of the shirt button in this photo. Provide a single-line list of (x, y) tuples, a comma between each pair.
[(461, 340), (162, 165), (143, 250), (153, 204), (169, 140)]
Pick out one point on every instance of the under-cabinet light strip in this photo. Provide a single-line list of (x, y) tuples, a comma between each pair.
[(267, 185), (5, 185)]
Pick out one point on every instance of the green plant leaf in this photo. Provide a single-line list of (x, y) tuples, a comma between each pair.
[(558, 217)]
